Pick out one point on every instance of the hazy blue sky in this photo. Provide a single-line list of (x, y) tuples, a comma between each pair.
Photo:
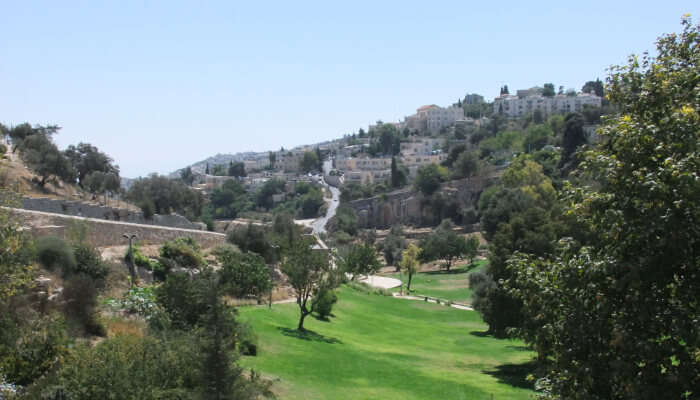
[(159, 85)]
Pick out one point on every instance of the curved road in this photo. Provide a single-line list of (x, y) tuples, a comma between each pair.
[(319, 225)]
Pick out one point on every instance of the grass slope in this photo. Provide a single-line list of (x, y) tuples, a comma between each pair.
[(452, 285), (379, 347)]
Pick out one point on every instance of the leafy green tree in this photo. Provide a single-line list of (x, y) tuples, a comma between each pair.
[(359, 259), (548, 90), (88, 159), (263, 198), (410, 262), (429, 178), (393, 246), (595, 87), (467, 165), (16, 269), (389, 139), (309, 162), (187, 176), (243, 274), (306, 270), (346, 220), (161, 195), (229, 200), (182, 252), (237, 169), (272, 156), (443, 244), (615, 316), (43, 157), (398, 175), (536, 137), (574, 137)]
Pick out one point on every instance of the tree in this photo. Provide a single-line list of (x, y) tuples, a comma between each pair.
[(88, 159), (389, 139), (398, 176), (187, 176), (306, 269), (16, 269), (409, 262), (472, 248), (182, 252), (229, 200), (272, 156), (394, 244), (548, 90), (443, 244), (237, 169), (615, 315), (43, 157), (243, 274), (163, 196), (467, 165), (595, 87), (309, 162), (574, 136), (359, 259), (429, 178), (206, 169)]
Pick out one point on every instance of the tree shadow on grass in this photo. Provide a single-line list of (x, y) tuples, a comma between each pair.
[(323, 319), (480, 333), (453, 271), (514, 374), (308, 335)]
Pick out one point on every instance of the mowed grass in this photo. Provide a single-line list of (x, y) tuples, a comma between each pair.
[(378, 347), (452, 285)]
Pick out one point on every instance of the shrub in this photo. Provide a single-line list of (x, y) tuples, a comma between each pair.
[(54, 252), (3, 150), (243, 275), (89, 262), (247, 339), (182, 252), (80, 294), (322, 303), (38, 346)]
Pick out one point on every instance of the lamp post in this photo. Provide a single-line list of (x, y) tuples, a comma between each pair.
[(132, 267)]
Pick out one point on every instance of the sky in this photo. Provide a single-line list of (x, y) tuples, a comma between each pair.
[(159, 85)]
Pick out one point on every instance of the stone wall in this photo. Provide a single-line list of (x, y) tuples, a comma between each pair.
[(87, 210), (109, 233), (408, 207)]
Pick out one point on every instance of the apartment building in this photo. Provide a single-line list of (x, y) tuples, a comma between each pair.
[(420, 147), (432, 118), (527, 103)]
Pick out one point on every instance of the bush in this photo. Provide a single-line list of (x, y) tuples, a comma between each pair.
[(322, 303), (36, 348), (80, 294), (88, 262), (54, 252), (3, 149), (183, 252), (247, 340)]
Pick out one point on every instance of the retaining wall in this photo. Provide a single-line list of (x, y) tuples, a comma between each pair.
[(109, 233), (81, 209)]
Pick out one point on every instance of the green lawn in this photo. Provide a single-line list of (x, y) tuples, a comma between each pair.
[(452, 285), (379, 347)]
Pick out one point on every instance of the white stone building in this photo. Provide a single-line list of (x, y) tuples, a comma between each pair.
[(516, 106)]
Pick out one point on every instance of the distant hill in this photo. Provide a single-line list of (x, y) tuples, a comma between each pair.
[(201, 166)]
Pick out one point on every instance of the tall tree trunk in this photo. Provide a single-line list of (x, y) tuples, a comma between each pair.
[(408, 288), (301, 321)]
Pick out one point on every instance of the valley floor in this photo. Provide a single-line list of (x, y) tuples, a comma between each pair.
[(378, 347)]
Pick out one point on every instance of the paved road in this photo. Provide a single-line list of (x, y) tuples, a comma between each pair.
[(319, 225)]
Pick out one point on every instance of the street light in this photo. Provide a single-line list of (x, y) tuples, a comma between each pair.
[(132, 267)]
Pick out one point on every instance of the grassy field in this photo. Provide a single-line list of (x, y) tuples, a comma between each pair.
[(378, 347), (452, 285)]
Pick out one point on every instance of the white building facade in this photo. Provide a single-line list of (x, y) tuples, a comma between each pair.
[(515, 106)]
